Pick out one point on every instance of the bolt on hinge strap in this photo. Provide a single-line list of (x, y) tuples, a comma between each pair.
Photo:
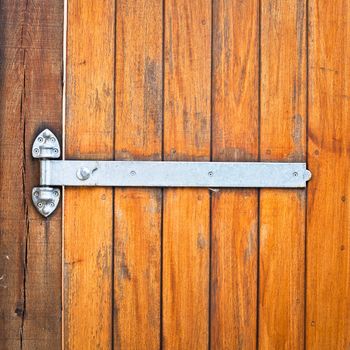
[(155, 174)]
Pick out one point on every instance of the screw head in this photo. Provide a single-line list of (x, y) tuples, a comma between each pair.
[(83, 173), (211, 173), (40, 139), (295, 174), (52, 139), (36, 150), (133, 173), (40, 205)]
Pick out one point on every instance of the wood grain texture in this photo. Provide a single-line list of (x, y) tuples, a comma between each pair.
[(328, 244), (235, 138), (282, 138), (138, 212), (186, 243), (30, 246), (88, 212), (185, 269)]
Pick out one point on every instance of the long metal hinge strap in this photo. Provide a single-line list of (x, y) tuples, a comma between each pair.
[(172, 174), (153, 173)]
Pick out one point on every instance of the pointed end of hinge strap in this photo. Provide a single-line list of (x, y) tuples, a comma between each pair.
[(46, 145), (46, 199), (307, 175)]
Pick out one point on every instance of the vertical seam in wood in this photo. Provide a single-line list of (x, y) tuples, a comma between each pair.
[(211, 158), (306, 160), (162, 190), (258, 190), (161, 272), (113, 189), (64, 91)]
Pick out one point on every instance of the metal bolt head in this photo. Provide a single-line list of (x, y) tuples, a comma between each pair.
[(83, 173)]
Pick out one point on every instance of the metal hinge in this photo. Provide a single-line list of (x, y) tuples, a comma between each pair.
[(152, 173)]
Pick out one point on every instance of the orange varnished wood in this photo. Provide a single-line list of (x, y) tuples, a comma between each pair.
[(30, 246), (186, 269), (328, 242), (235, 138), (137, 269), (186, 240), (282, 138), (88, 212), (138, 212)]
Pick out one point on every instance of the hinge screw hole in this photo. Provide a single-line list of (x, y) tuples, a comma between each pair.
[(295, 174), (211, 173), (132, 173)]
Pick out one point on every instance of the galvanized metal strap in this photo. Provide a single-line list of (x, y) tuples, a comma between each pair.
[(152, 173)]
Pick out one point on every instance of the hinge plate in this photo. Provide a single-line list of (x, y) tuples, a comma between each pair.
[(46, 145), (46, 199)]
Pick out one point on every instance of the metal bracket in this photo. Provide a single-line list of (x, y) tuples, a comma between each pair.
[(46, 145), (46, 199), (157, 174)]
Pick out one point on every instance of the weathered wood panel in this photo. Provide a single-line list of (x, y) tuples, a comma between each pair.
[(282, 138), (30, 246), (186, 240), (88, 212), (235, 138), (328, 244), (138, 212)]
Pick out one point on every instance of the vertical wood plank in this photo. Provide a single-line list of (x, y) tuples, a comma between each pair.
[(328, 254), (235, 138), (138, 211), (282, 138), (30, 246), (186, 240), (88, 213)]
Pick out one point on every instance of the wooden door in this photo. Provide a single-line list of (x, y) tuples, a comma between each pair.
[(177, 80)]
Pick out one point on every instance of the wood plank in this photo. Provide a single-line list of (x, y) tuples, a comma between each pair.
[(328, 255), (138, 130), (30, 246), (235, 138), (186, 243), (88, 213), (282, 138)]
